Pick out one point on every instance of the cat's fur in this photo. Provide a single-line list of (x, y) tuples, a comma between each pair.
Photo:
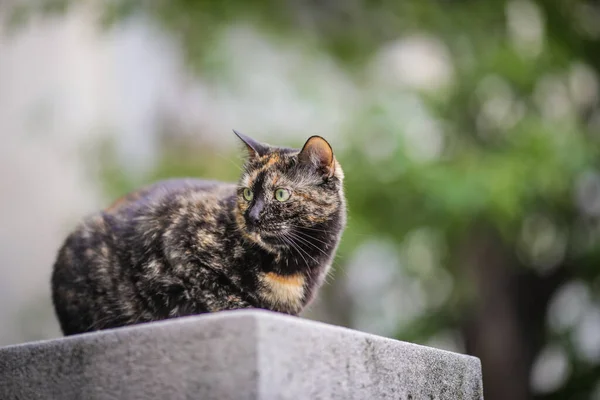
[(183, 247)]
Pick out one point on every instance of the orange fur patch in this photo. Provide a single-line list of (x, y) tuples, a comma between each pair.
[(272, 160), (296, 280), (315, 219), (285, 293)]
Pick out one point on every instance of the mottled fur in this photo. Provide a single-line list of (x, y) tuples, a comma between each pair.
[(182, 247)]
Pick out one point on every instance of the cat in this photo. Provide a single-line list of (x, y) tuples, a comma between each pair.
[(188, 246)]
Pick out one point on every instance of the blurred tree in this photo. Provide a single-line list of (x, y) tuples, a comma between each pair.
[(510, 190)]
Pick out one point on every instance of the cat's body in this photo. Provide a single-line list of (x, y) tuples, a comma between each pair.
[(183, 247)]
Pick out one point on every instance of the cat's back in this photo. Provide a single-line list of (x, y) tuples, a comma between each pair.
[(171, 188), (144, 211)]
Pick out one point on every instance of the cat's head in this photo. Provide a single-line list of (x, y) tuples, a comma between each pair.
[(284, 193)]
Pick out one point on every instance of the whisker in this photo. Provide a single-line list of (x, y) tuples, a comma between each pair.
[(310, 237), (309, 243), (290, 243), (309, 228), (230, 160), (301, 249)]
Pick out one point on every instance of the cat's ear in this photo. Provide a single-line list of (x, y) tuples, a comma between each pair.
[(318, 153), (255, 149)]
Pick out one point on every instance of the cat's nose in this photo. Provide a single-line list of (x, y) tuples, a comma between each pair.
[(253, 216), (255, 211)]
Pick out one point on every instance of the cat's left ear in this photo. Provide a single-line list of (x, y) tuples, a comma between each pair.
[(319, 154), (255, 149)]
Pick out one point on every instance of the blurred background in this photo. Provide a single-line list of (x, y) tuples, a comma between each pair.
[(469, 132)]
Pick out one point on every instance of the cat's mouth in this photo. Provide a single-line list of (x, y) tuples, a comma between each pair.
[(272, 239), (271, 235), (269, 241)]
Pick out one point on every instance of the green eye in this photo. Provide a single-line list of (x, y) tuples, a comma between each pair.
[(248, 195), (282, 194)]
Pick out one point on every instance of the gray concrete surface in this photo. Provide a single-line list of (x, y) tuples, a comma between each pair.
[(246, 354)]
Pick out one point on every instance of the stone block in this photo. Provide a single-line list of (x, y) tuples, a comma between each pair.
[(244, 354)]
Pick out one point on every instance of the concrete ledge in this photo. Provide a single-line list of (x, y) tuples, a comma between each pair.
[(235, 355)]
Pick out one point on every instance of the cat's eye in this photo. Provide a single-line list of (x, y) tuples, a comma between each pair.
[(248, 195), (282, 194)]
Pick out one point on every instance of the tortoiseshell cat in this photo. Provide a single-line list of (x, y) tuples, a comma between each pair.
[(183, 247)]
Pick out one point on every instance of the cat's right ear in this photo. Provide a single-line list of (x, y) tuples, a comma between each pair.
[(318, 154), (255, 149)]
